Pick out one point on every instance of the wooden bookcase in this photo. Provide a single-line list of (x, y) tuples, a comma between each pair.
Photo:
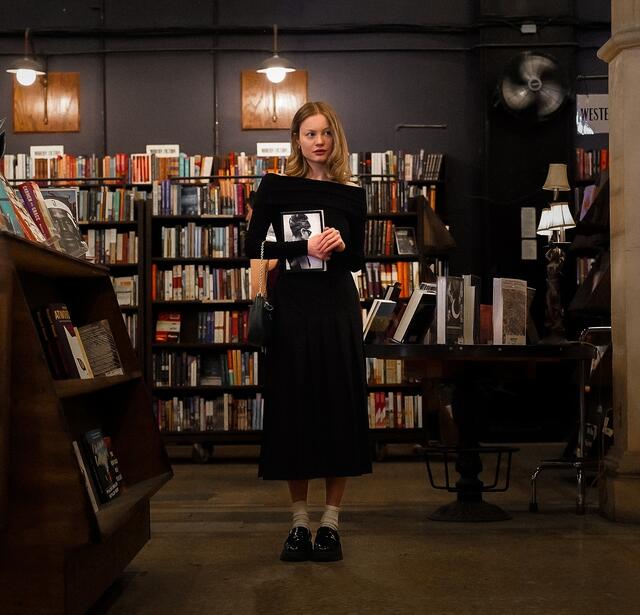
[(57, 555), (189, 343), (403, 214)]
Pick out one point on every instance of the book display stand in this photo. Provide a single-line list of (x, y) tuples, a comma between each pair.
[(58, 553)]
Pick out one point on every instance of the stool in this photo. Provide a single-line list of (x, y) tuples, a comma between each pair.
[(469, 505)]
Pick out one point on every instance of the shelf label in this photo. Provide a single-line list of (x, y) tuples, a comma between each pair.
[(274, 149), (46, 151), (164, 151)]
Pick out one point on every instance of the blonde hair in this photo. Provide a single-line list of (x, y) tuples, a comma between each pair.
[(338, 162)]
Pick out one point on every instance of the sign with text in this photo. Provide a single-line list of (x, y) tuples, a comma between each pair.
[(46, 151), (274, 149), (592, 114), (164, 151)]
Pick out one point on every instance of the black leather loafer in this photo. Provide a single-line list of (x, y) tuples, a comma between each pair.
[(297, 547), (327, 547)]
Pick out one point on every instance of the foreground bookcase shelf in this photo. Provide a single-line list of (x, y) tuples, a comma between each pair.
[(58, 555)]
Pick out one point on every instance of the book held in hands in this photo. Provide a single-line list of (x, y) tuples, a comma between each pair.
[(298, 226)]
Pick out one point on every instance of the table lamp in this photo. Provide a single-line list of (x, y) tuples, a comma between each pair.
[(553, 223), (557, 179)]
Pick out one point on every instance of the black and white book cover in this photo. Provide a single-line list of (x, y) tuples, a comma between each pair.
[(406, 241), (299, 225), (62, 205)]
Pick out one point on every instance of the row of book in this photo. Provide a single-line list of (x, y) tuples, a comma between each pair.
[(376, 276), (402, 165), (383, 238), (218, 327), (195, 241), (131, 324), (127, 290), (224, 198), (386, 371), (88, 351), (109, 246), (589, 163), (449, 312), (147, 167), (103, 204), (224, 413), (229, 368), (41, 217), (394, 410), (199, 283)]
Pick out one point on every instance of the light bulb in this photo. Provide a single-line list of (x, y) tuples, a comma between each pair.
[(276, 74), (26, 76)]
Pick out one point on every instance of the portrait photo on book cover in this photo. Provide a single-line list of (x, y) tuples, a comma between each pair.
[(298, 225)]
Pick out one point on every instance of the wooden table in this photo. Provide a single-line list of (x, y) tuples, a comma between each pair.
[(469, 505)]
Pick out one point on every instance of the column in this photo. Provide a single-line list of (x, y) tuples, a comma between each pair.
[(620, 487)]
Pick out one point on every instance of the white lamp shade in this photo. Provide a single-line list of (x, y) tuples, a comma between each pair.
[(543, 226), (560, 217), (276, 68), (557, 178)]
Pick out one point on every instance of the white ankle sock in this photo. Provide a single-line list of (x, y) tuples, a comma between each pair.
[(300, 514), (330, 517)]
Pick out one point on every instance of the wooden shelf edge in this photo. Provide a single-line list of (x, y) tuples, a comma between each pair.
[(77, 386), (111, 516)]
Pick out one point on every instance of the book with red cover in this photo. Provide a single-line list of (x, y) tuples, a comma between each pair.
[(168, 327)]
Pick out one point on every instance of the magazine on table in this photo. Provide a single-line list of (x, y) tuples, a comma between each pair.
[(299, 225)]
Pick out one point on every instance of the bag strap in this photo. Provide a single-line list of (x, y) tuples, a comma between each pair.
[(263, 266)]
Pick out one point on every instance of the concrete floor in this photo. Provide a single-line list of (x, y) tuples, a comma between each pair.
[(217, 532)]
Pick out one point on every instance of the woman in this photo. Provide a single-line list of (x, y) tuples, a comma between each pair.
[(315, 419)]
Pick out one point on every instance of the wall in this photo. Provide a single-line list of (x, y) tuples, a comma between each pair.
[(379, 63)]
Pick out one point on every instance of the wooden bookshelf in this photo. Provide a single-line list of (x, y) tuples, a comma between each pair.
[(50, 537)]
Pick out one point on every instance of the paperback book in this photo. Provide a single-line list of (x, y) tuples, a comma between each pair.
[(101, 349), (100, 463), (417, 316), (301, 225), (509, 311)]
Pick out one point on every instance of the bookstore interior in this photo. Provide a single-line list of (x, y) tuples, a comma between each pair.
[(130, 154)]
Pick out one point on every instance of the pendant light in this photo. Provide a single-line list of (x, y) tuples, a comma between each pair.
[(276, 67), (26, 69)]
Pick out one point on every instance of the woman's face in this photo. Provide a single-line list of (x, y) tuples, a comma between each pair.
[(316, 139)]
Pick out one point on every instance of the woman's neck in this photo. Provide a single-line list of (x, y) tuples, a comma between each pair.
[(317, 171)]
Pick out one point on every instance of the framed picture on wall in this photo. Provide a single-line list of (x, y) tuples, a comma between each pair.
[(267, 105)]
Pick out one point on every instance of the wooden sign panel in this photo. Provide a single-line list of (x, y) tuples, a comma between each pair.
[(267, 105), (47, 107)]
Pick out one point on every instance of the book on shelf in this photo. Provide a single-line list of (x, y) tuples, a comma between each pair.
[(126, 289), (379, 318), (100, 348), (36, 207), (471, 317), (101, 465), (486, 323), (62, 206), (86, 477), (417, 316), (509, 311), (450, 310), (29, 229), (392, 292), (168, 327), (66, 345), (406, 240)]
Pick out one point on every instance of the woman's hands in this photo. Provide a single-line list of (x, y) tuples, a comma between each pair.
[(321, 246)]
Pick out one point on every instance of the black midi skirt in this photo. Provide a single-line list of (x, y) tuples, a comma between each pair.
[(315, 416)]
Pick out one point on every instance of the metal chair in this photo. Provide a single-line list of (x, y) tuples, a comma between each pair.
[(601, 338)]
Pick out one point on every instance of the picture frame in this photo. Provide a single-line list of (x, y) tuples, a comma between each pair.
[(300, 225), (406, 241)]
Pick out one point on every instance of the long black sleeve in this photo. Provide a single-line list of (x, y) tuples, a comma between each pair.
[(352, 257), (265, 214)]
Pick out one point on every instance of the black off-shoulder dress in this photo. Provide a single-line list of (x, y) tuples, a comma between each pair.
[(315, 416)]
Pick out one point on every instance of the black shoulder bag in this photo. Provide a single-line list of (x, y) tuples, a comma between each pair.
[(260, 311)]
